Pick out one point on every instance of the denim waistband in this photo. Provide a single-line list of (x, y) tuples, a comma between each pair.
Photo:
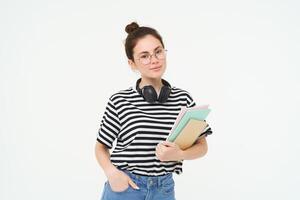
[(150, 181)]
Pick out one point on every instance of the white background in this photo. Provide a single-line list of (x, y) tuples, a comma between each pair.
[(60, 61)]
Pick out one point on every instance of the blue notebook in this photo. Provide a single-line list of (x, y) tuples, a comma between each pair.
[(198, 113)]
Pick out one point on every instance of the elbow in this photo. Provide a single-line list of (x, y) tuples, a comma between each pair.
[(205, 150), (203, 147), (202, 151), (99, 148)]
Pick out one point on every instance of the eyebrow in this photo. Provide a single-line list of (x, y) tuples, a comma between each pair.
[(153, 50)]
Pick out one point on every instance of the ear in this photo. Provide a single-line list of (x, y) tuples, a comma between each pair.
[(132, 64)]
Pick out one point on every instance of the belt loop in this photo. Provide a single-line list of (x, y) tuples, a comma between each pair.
[(159, 181), (137, 176)]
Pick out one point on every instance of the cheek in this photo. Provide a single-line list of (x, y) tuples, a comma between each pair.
[(164, 63), (144, 69)]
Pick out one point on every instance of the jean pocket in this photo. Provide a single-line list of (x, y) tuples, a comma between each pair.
[(118, 192), (168, 186)]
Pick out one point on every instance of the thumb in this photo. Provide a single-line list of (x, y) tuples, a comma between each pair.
[(168, 144), (132, 184)]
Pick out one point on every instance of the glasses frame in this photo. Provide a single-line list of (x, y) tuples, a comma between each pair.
[(153, 54)]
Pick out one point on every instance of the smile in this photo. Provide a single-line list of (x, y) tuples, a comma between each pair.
[(155, 68)]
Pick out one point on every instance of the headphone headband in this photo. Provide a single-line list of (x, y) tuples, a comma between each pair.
[(149, 94)]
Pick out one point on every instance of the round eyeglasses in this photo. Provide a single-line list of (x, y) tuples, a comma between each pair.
[(145, 58)]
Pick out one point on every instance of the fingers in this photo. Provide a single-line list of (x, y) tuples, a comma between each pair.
[(164, 146), (169, 144), (132, 184), (158, 147), (158, 151), (163, 150)]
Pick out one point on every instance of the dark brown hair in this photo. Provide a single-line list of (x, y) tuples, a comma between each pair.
[(136, 32)]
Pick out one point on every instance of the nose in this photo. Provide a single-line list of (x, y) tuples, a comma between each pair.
[(153, 59)]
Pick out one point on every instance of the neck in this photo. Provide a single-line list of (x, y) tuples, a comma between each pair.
[(156, 83)]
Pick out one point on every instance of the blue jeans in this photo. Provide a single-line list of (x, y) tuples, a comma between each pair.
[(151, 188)]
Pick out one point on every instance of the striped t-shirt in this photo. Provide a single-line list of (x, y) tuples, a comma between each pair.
[(138, 126)]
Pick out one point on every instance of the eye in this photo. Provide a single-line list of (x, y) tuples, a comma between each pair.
[(159, 51), (145, 56)]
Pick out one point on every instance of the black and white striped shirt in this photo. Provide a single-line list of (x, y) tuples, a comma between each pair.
[(138, 126)]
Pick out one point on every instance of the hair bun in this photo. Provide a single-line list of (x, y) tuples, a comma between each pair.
[(131, 27)]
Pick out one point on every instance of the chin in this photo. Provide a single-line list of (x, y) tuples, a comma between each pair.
[(156, 76)]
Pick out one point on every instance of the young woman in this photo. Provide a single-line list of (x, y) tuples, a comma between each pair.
[(139, 119)]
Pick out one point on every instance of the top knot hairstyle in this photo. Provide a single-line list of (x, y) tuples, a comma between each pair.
[(131, 27), (136, 32)]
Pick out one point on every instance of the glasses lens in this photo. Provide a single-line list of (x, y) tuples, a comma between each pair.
[(160, 54), (145, 59)]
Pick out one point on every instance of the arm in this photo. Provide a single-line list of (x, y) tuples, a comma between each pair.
[(169, 151), (103, 159), (199, 149), (118, 180)]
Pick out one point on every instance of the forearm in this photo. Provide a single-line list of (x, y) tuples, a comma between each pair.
[(199, 149), (103, 158)]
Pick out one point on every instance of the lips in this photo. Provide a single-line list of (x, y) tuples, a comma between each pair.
[(155, 68)]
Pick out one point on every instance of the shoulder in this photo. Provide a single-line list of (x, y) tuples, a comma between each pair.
[(121, 94), (183, 94), (179, 91)]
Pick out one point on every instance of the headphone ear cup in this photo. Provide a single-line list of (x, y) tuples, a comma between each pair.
[(149, 94), (164, 94)]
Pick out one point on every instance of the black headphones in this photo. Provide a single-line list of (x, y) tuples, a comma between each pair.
[(150, 95)]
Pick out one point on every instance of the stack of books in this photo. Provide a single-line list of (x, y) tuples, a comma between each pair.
[(189, 126)]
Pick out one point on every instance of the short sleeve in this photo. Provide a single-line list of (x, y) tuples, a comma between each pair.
[(190, 101), (207, 131), (109, 125)]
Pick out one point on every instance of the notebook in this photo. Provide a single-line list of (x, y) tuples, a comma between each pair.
[(199, 113), (190, 133)]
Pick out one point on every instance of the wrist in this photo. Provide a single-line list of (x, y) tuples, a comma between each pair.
[(181, 155), (110, 170)]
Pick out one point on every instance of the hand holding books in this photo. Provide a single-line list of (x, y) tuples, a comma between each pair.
[(189, 126)]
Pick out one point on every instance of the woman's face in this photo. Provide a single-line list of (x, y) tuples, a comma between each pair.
[(149, 57)]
